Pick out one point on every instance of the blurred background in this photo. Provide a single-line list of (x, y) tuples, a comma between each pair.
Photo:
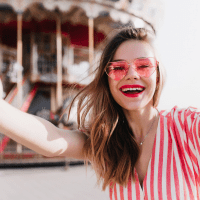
[(178, 44), (48, 49)]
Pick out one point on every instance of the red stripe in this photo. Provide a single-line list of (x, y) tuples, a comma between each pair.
[(196, 136), (145, 188), (184, 188), (115, 192), (182, 158), (180, 121), (160, 164), (176, 179), (129, 189), (188, 130), (4, 143), (180, 149), (52, 116), (169, 160), (152, 170), (137, 186), (29, 99), (111, 191), (14, 93), (192, 156), (121, 193)]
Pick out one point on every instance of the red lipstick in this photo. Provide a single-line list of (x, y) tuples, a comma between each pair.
[(132, 90)]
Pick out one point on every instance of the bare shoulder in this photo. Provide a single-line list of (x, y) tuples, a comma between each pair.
[(75, 141)]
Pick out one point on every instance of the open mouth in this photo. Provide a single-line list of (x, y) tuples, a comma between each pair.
[(132, 90)]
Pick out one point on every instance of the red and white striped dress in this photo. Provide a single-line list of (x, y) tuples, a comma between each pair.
[(174, 169)]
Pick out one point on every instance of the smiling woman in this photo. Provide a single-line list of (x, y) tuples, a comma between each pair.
[(136, 150), (121, 104)]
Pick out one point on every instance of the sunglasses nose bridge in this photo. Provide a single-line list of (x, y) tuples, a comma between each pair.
[(132, 70)]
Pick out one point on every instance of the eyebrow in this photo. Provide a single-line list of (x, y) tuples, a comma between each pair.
[(126, 60), (118, 60)]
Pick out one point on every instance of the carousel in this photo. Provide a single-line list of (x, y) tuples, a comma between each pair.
[(48, 51)]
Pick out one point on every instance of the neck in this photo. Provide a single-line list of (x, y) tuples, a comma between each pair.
[(141, 120)]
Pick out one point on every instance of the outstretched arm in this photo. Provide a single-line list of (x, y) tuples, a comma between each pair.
[(39, 134)]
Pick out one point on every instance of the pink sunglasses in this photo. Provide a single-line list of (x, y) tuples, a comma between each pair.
[(144, 67)]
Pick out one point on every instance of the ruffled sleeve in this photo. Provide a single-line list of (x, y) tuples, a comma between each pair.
[(186, 125)]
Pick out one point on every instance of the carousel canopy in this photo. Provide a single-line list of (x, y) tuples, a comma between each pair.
[(77, 33), (107, 14)]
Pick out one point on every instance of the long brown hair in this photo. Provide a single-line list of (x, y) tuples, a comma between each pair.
[(110, 145)]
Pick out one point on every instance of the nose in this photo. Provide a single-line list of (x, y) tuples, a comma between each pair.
[(132, 74)]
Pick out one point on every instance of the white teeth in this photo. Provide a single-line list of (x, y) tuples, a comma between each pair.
[(131, 89)]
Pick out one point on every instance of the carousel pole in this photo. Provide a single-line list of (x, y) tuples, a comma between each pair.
[(34, 58), (19, 61), (59, 63), (91, 43), (19, 57)]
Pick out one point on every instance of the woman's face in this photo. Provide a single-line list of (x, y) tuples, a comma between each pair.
[(128, 51)]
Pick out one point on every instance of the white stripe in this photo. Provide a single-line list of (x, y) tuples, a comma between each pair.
[(189, 162), (156, 163), (148, 181), (126, 192), (198, 141), (173, 192), (182, 117), (118, 191), (187, 191), (134, 191), (195, 154), (178, 166), (180, 130)]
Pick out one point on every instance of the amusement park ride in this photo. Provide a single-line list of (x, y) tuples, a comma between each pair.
[(48, 47)]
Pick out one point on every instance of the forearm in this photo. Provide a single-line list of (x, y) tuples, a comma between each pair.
[(31, 131)]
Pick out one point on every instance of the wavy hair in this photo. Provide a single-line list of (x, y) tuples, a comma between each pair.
[(110, 146)]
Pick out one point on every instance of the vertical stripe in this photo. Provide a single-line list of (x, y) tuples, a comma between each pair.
[(121, 193), (129, 189), (196, 138), (147, 184), (184, 190), (180, 155), (145, 187), (160, 163), (152, 171), (118, 191), (176, 179), (169, 156), (172, 190), (115, 192), (174, 167), (137, 188), (189, 177), (165, 158), (111, 191), (126, 192)]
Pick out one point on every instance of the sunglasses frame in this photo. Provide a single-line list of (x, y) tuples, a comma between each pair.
[(129, 64)]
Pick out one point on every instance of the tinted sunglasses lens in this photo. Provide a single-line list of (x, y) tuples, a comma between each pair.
[(117, 70), (145, 66)]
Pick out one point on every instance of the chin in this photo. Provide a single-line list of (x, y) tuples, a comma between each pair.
[(137, 106)]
